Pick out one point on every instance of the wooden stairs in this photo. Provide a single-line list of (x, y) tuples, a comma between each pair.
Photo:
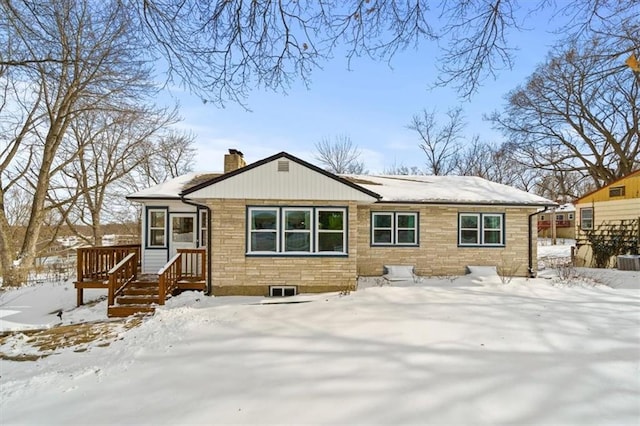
[(117, 270), (139, 297)]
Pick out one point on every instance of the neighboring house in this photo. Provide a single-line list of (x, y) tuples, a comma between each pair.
[(281, 225), (609, 205), (565, 222)]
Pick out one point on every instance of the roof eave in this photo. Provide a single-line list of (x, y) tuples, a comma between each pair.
[(467, 203)]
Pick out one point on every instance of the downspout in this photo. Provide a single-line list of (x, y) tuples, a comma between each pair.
[(530, 270), (208, 248)]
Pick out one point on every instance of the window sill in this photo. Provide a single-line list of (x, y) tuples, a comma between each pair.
[(324, 254), (395, 245)]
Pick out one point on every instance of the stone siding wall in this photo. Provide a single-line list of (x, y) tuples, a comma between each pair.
[(438, 253), (233, 272)]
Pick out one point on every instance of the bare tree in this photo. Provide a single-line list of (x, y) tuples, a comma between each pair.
[(577, 113), (401, 169), (60, 59), (107, 147), (170, 154), (340, 155), (494, 162), (219, 49), (173, 155), (562, 186), (440, 143)]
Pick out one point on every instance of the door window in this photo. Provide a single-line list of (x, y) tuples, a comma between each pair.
[(182, 229)]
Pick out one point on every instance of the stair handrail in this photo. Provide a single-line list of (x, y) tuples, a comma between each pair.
[(122, 274), (168, 277)]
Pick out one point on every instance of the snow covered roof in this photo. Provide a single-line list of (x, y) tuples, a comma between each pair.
[(172, 189), (388, 188), (445, 189), (566, 208)]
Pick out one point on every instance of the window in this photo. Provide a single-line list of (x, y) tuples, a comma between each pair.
[(559, 217), (157, 224), (586, 218), (282, 290), (330, 233), (481, 229), (264, 230), (182, 229), (570, 216), (616, 191), (394, 228), (203, 228), (297, 230)]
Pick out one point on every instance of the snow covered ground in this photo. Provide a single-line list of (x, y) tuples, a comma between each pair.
[(459, 350)]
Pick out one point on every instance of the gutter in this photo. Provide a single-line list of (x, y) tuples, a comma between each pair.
[(208, 248), (532, 274)]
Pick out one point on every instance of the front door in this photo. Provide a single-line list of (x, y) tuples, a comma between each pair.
[(182, 231)]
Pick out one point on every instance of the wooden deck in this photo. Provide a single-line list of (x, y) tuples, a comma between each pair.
[(116, 269)]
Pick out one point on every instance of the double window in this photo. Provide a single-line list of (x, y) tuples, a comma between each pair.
[(394, 229), (481, 229), (157, 225), (297, 230)]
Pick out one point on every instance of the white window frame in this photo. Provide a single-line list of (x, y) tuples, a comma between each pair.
[(480, 230), (203, 221), (395, 228), (282, 289), (251, 231), (314, 231), (150, 228), (582, 224), (319, 231), (286, 231), (382, 228), (500, 229), (476, 229)]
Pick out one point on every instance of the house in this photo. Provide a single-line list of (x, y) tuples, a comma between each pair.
[(564, 218), (613, 205), (282, 226)]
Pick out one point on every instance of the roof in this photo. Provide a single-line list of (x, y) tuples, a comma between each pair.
[(173, 188), (446, 190), (385, 188), (615, 182), (568, 207)]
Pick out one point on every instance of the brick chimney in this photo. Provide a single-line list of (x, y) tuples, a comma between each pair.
[(233, 160)]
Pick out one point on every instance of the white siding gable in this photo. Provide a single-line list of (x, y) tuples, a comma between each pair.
[(267, 181)]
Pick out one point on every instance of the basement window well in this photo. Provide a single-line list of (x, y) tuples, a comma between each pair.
[(282, 290)]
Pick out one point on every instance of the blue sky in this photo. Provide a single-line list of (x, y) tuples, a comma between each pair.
[(372, 103)]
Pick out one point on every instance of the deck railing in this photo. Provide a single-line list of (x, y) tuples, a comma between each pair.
[(122, 274), (545, 224), (94, 263), (194, 264), (168, 277)]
